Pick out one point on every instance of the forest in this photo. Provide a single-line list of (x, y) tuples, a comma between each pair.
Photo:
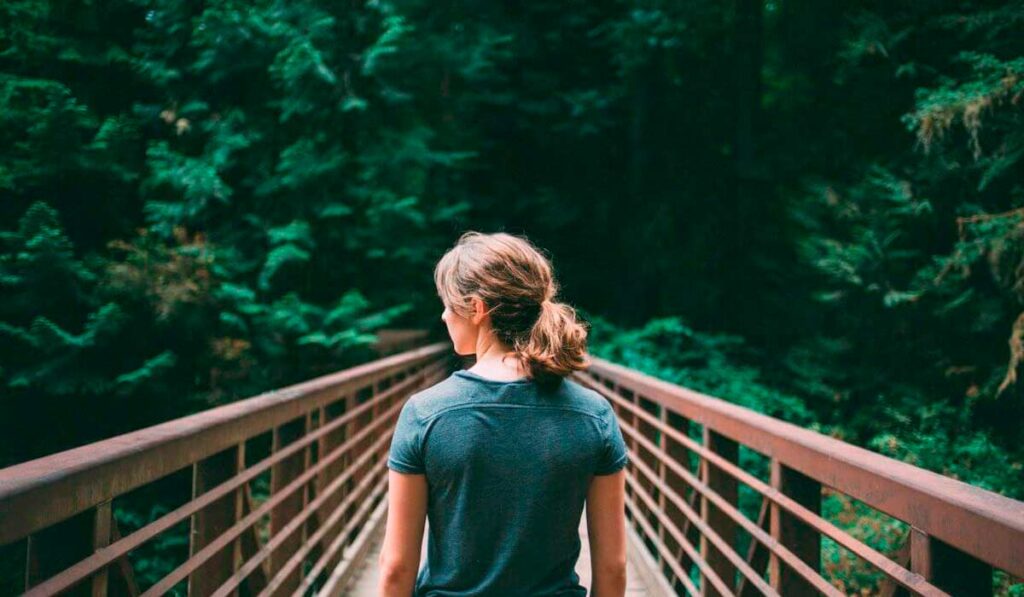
[(813, 209)]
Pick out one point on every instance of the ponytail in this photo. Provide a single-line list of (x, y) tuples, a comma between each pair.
[(557, 344)]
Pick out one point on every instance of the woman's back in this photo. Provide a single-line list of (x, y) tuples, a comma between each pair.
[(501, 459), (508, 465)]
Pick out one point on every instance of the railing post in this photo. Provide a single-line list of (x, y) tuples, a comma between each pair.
[(662, 476), (327, 443), (650, 433), (728, 488), (681, 455), (210, 522), (101, 538), (240, 496), (628, 419), (309, 492), (348, 430), (378, 386), (362, 396), (789, 530), (321, 450), (351, 429), (947, 567), (313, 490), (281, 474)]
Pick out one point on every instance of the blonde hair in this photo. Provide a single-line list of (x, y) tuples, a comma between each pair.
[(515, 282)]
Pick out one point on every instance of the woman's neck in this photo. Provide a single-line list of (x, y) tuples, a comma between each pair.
[(498, 362)]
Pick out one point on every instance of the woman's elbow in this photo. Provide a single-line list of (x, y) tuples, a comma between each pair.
[(612, 573), (396, 572), (612, 564)]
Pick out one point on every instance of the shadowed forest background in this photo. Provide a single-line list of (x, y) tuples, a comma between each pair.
[(814, 209)]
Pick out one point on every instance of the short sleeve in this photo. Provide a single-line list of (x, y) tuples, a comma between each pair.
[(613, 455), (406, 452)]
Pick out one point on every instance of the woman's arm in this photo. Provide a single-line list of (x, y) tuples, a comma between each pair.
[(606, 527), (403, 536)]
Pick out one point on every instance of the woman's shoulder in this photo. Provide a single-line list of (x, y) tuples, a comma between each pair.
[(435, 398), (585, 398)]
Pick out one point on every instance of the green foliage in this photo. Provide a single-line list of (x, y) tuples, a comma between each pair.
[(44, 347), (992, 88), (715, 364), (236, 198), (203, 201), (290, 243), (941, 438), (918, 258)]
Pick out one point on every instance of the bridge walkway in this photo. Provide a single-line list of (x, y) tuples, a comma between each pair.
[(638, 569)]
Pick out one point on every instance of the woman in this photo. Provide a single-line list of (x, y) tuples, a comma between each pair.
[(501, 457)]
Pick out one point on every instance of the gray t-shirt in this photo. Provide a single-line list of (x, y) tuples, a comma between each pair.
[(508, 464)]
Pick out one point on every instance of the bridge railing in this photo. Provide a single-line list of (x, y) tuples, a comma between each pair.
[(683, 489), (316, 450)]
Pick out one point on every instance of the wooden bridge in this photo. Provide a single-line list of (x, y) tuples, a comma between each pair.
[(284, 493)]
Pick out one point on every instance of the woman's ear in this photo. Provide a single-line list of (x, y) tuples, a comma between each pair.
[(479, 310)]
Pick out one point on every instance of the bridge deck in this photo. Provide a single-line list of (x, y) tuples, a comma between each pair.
[(639, 580)]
